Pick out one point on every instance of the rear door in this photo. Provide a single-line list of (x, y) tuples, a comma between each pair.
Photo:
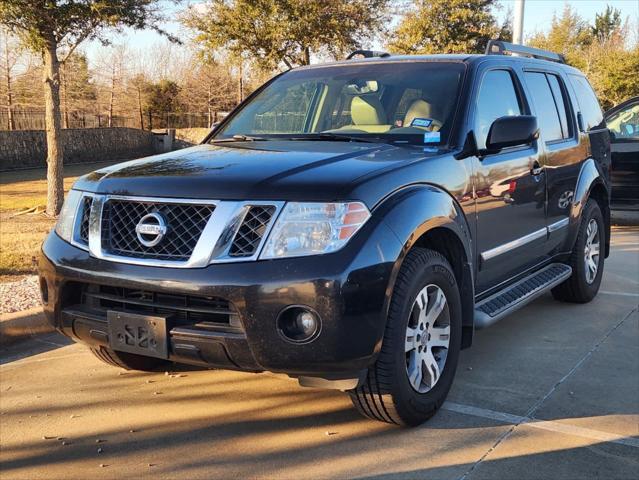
[(510, 188), (563, 151), (623, 123)]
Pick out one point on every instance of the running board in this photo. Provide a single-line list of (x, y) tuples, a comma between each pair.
[(513, 297)]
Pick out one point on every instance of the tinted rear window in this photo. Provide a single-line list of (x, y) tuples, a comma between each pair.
[(587, 100)]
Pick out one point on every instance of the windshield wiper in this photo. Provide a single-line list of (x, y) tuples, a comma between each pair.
[(332, 137), (239, 138)]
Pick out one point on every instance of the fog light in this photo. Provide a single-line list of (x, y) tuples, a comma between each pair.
[(299, 324)]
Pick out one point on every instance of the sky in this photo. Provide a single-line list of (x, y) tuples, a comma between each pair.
[(538, 13), (537, 18)]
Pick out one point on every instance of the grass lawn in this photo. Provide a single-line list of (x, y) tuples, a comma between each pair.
[(22, 235)]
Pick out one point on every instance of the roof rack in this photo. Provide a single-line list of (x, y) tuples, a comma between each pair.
[(367, 54), (498, 47)]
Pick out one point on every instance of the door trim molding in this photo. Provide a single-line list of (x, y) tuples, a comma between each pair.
[(553, 227), (518, 242), (521, 241)]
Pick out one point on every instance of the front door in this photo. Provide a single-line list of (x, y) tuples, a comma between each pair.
[(623, 122), (510, 189)]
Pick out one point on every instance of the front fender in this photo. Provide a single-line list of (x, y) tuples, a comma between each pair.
[(416, 210)]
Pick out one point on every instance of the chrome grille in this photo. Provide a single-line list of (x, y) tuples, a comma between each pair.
[(251, 231), (84, 220), (185, 224)]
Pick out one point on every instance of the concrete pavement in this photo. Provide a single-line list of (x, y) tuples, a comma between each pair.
[(550, 392)]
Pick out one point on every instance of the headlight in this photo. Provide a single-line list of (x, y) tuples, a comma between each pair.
[(314, 228), (66, 220)]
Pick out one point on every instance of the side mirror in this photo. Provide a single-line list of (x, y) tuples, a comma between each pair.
[(512, 131)]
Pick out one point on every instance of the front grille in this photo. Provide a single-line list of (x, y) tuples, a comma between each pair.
[(185, 310), (185, 224), (84, 220), (251, 231)]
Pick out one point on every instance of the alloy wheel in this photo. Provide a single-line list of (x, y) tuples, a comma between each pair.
[(427, 338), (591, 251)]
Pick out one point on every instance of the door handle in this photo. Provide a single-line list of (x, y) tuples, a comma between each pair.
[(536, 169)]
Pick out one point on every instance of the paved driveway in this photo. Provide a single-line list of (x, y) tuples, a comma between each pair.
[(551, 392)]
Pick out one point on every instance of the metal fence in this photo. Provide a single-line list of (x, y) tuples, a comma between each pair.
[(33, 119)]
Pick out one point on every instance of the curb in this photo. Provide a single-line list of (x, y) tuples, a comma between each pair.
[(22, 325)]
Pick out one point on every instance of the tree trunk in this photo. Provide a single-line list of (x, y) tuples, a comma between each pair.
[(140, 108), (10, 123), (208, 104), (307, 56), (63, 96), (111, 98), (240, 83), (55, 149)]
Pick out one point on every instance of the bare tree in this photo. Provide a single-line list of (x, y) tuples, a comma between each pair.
[(139, 85), (115, 60), (9, 61)]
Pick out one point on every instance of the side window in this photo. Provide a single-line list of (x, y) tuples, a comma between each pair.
[(497, 98), (624, 125), (557, 92), (544, 106), (588, 104)]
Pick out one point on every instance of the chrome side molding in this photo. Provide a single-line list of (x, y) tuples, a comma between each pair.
[(553, 227), (521, 241), (518, 242)]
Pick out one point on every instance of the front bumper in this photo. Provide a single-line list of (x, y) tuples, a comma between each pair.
[(348, 289)]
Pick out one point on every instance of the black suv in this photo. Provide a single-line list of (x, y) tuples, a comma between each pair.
[(350, 225)]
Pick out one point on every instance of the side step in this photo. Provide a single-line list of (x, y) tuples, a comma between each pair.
[(515, 296)]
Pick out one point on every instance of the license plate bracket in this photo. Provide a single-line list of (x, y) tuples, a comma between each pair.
[(140, 334)]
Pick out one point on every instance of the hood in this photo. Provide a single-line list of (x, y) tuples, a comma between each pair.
[(273, 170)]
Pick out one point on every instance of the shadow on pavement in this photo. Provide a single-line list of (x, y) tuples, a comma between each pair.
[(32, 346)]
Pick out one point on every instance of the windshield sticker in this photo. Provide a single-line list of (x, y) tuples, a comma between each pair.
[(421, 122), (431, 137), (431, 149)]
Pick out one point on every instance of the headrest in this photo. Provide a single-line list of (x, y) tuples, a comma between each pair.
[(367, 110), (418, 109)]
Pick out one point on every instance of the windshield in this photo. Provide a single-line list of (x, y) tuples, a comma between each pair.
[(391, 101)]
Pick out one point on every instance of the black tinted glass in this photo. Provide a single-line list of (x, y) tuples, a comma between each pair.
[(544, 106), (553, 80), (588, 104), (497, 98)]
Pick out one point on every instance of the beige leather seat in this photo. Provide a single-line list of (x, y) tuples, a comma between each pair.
[(422, 109), (368, 115)]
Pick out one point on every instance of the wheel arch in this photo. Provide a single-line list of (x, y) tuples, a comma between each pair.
[(426, 216), (591, 183)]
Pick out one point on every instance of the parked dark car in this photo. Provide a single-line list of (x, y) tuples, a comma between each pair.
[(623, 122), (350, 225)]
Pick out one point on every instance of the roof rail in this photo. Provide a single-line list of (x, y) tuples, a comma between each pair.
[(498, 47), (367, 54)]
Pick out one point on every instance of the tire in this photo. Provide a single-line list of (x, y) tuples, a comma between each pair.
[(387, 394), (128, 361), (582, 286)]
